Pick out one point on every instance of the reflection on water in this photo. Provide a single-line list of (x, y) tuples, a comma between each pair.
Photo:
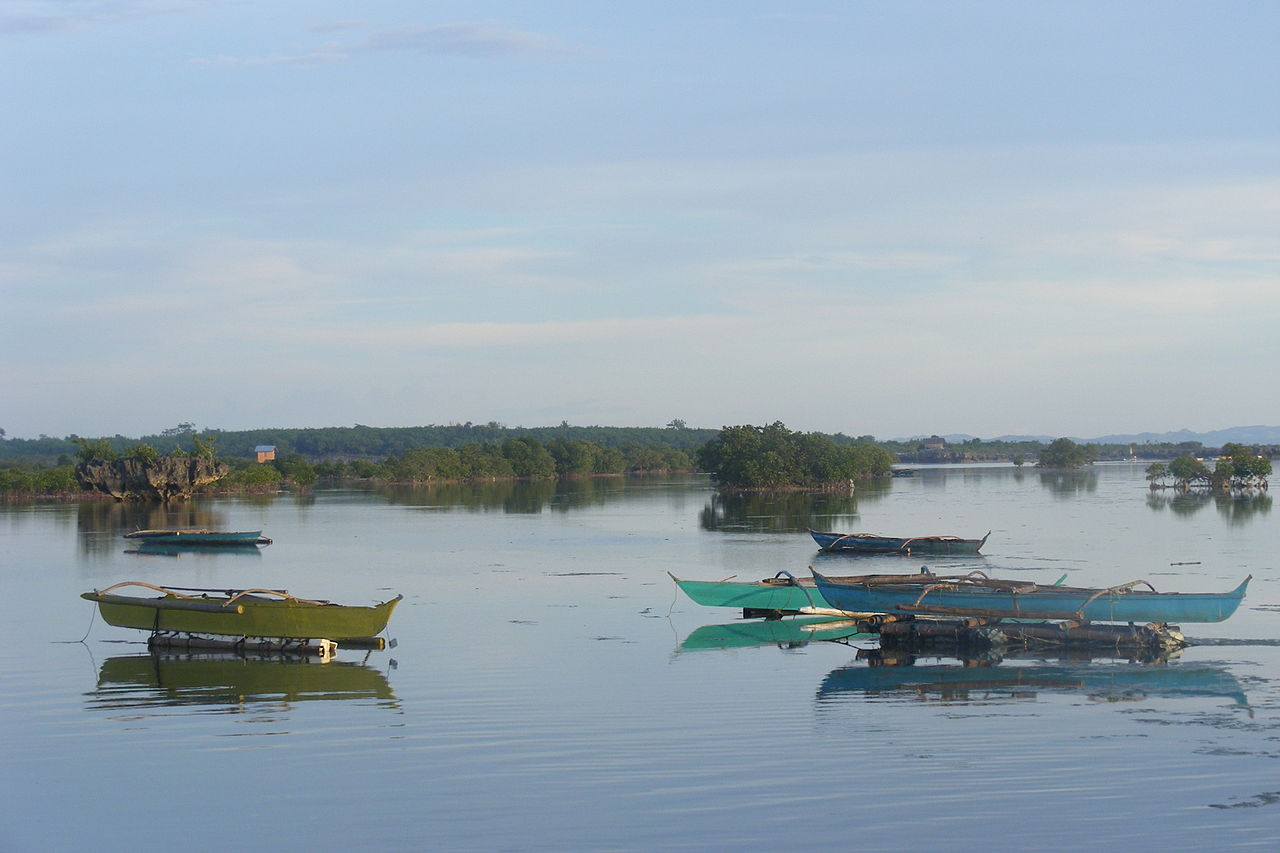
[(1237, 508), (102, 522), (227, 683), (787, 512), (531, 497), (1069, 484), (876, 675), (156, 549), (784, 633)]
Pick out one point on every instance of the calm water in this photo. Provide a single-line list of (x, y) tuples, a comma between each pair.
[(550, 690)]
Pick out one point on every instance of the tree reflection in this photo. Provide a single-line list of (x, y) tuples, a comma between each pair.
[(779, 512), (522, 497), (102, 523), (1241, 508), (1236, 508), (1069, 484)]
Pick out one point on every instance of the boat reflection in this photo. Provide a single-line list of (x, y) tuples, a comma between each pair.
[(232, 681), (783, 633), (155, 549), (876, 674)]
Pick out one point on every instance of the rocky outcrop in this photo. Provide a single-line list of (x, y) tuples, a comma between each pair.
[(166, 478)]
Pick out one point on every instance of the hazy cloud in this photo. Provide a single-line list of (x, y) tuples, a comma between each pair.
[(484, 38)]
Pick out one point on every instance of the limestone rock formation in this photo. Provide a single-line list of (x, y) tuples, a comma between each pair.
[(164, 479)]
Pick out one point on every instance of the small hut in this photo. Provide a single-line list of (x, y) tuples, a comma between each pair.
[(265, 452)]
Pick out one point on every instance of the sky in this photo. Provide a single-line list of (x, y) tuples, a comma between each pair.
[(868, 217)]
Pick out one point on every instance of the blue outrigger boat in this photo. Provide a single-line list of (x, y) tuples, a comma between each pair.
[(871, 543), (975, 594)]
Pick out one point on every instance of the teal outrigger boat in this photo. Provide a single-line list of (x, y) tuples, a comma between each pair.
[(200, 537), (782, 593), (261, 613)]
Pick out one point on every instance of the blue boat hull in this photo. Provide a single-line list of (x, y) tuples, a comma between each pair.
[(1028, 601), (867, 543)]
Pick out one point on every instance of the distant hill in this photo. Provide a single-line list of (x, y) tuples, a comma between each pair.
[(1214, 438)]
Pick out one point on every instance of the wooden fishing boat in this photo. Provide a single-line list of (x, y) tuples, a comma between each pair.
[(783, 593), (871, 543), (263, 613), (975, 594), (195, 537)]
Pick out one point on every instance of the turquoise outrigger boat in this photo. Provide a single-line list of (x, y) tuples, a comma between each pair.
[(783, 593), (259, 613), (975, 594), (200, 537)]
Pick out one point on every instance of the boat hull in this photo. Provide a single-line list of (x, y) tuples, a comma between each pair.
[(1039, 603), (788, 633), (867, 543), (756, 595), (247, 617), (211, 538)]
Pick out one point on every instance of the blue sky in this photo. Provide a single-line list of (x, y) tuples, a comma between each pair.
[(867, 217)]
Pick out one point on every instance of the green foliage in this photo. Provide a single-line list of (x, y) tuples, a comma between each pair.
[(297, 470), (1157, 471), (18, 482), (528, 458), (91, 449), (1187, 469), (204, 446), (773, 457), (144, 453), (1240, 466), (1065, 453), (253, 478)]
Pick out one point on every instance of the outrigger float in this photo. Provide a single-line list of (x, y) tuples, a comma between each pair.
[(247, 620)]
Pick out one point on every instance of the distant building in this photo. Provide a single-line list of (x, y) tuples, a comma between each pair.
[(265, 452), (933, 442)]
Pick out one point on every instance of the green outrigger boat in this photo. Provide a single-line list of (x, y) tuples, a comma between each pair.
[(260, 613)]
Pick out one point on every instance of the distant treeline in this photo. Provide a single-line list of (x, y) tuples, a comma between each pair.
[(358, 442), (525, 458), (317, 444)]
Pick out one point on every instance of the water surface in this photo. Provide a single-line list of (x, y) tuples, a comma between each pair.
[(549, 689)]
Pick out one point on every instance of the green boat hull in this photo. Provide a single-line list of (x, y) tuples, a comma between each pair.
[(247, 616)]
